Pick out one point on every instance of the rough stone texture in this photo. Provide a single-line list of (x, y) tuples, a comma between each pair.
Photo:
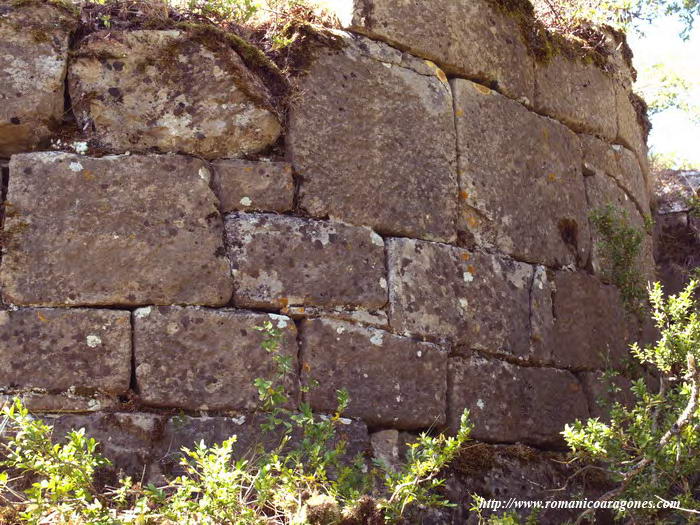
[(206, 359), (279, 261), (38, 401), (602, 191), (476, 300), (578, 93), (385, 374), (620, 164), (351, 143), (185, 431), (244, 186), (520, 179), (385, 448), (629, 127), (471, 39), (169, 91), (60, 350), (125, 230), (378, 318), (591, 328), (508, 403), (33, 62), (125, 438), (602, 392)]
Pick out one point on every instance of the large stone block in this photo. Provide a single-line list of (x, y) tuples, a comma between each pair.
[(358, 158), (578, 93), (33, 61), (63, 350), (206, 359), (474, 39), (520, 179), (476, 300), (619, 163), (126, 230), (393, 381), (591, 328), (634, 179), (508, 403), (281, 261), (245, 186), (169, 91)]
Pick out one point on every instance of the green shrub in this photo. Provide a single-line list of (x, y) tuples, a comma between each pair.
[(652, 448), (305, 478), (620, 247)]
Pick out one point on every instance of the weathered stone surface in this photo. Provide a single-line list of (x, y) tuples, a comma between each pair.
[(592, 329), (520, 179), (124, 230), (620, 164), (578, 93), (376, 318), (206, 359), (508, 403), (472, 39), (602, 392), (37, 401), (245, 186), (169, 91), (125, 438), (603, 191), (633, 179), (477, 300), (279, 261), (385, 448), (356, 155), (60, 350), (631, 121), (385, 374), (33, 61), (185, 431)]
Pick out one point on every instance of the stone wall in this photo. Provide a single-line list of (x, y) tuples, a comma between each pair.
[(416, 225)]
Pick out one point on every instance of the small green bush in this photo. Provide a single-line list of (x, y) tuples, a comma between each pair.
[(620, 247), (652, 448), (304, 479)]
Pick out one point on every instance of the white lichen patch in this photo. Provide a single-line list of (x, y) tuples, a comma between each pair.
[(246, 201), (468, 277), (382, 283), (480, 403), (75, 166), (143, 312), (377, 339), (93, 341), (377, 239), (204, 174)]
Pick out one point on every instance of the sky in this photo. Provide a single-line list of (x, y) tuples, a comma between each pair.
[(673, 132)]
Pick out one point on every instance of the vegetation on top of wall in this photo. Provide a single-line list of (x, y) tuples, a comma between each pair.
[(304, 479)]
